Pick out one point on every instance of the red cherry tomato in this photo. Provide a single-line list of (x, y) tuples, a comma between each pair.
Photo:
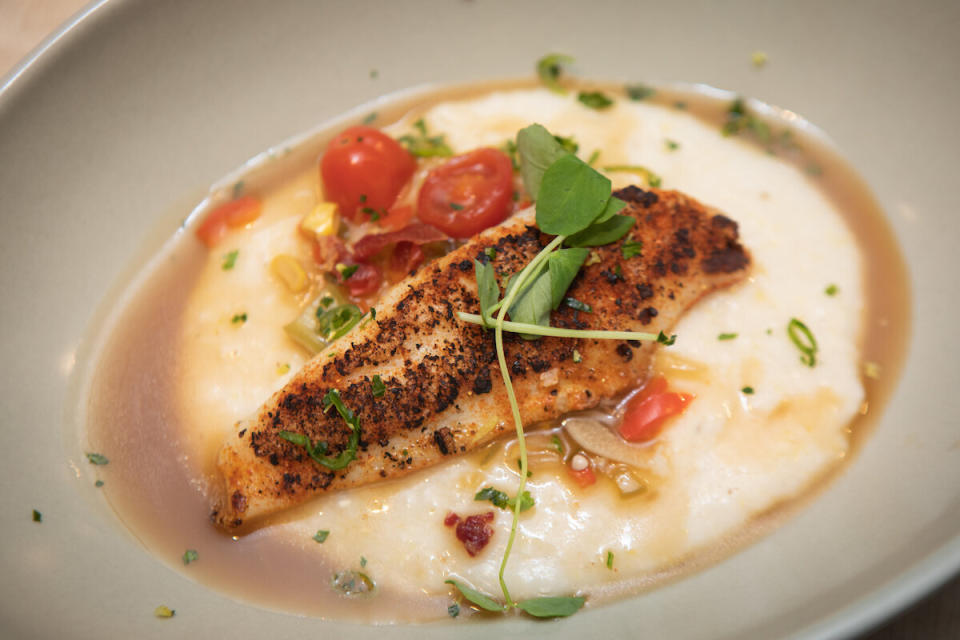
[(364, 281), (648, 411), (468, 193), (235, 213), (363, 170)]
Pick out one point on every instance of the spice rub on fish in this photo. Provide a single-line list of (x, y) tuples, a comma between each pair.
[(443, 391)]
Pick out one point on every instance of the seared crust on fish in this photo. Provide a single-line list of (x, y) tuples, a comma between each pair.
[(444, 393)]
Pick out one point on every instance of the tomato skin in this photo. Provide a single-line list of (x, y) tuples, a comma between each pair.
[(233, 214), (468, 193), (363, 168), (648, 411), (584, 477), (364, 281)]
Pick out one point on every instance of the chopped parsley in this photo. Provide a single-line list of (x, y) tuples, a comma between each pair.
[(747, 391), (594, 99), (573, 303), (639, 92), (549, 69), (423, 145), (665, 340), (557, 442), (456, 207), (377, 387), (190, 555), (98, 483), (567, 143), (335, 322), (97, 459), (610, 560), (490, 252), (453, 610), (230, 259), (37, 516), (727, 336), (803, 340), (237, 189), (375, 214), (672, 145), (239, 318), (363, 562), (831, 290), (631, 249), (500, 499), (326, 301), (370, 118), (321, 535)]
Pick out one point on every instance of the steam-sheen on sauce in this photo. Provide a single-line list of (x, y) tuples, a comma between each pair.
[(152, 398)]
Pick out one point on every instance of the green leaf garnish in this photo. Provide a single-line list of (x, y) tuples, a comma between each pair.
[(533, 304), (500, 499), (572, 195), (538, 149), (230, 259), (549, 68), (568, 144), (557, 442), (239, 318), (37, 516), (727, 336), (664, 340), (321, 535), (318, 451), (672, 145), (487, 288), (603, 232), (609, 559), (423, 145), (551, 607), (563, 266), (747, 391), (97, 458), (831, 290), (190, 555), (594, 99), (348, 270), (377, 387), (803, 339), (482, 600)]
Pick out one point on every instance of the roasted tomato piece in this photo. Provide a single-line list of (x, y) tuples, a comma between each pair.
[(648, 410), (468, 193), (363, 170), (233, 214)]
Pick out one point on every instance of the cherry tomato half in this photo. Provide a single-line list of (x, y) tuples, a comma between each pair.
[(648, 411), (233, 214), (468, 193), (363, 170)]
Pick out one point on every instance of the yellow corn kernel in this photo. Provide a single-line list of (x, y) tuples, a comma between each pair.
[(322, 221), (289, 270)]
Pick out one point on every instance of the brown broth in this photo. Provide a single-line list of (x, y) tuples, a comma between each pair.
[(158, 493)]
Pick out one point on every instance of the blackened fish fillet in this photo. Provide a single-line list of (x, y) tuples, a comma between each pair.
[(444, 393)]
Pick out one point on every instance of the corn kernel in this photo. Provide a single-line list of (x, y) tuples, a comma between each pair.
[(322, 221), (289, 270)]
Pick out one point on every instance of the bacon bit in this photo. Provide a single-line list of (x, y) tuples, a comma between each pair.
[(473, 531), (406, 257), (417, 233)]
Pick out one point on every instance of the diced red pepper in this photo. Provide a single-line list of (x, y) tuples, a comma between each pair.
[(583, 477)]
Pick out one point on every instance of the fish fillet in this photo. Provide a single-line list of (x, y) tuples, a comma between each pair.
[(444, 393)]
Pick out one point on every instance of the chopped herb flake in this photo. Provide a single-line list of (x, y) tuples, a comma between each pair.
[(573, 303), (453, 610), (190, 555), (326, 301), (747, 391), (631, 249), (803, 339), (230, 259), (663, 339), (334, 323), (318, 451), (237, 189), (456, 207), (98, 483), (500, 499), (423, 145), (727, 336), (672, 145), (321, 535), (594, 99), (97, 458), (639, 92), (550, 67), (370, 118), (37, 516), (239, 318), (557, 442), (363, 562), (609, 559), (831, 290), (377, 387), (490, 252), (164, 611)]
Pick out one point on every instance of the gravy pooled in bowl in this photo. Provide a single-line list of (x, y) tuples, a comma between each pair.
[(772, 376)]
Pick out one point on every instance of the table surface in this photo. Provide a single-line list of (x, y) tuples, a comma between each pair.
[(25, 23)]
